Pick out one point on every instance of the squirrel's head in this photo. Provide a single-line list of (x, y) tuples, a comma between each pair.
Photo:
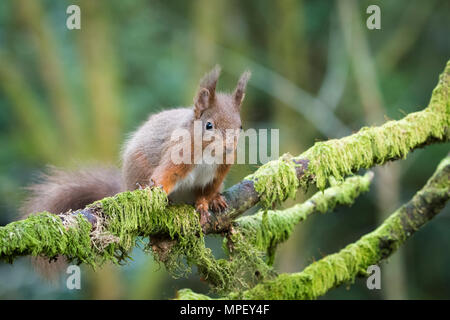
[(219, 111)]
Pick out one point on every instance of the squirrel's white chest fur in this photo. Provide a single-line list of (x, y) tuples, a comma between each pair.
[(200, 176)]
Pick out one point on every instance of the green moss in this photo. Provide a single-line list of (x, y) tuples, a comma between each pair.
[(376, 145), (276, 181), (122, 219), (320, 276), (333, 270), (139, 213), (352, 261), (127, 215), (188, 294), (334, 159), (44, 234), (224, 275), (265, 230)]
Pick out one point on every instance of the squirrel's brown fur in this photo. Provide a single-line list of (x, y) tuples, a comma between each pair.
[(60, 191)]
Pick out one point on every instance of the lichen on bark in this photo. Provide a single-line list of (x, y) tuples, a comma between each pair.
[(352, 261), (266, 229), (275, 181), (372, 146), (44, 234)]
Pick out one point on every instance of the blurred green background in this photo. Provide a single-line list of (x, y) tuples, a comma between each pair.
[(72, 96)]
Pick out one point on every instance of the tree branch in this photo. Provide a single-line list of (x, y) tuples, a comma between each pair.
[(338, 158), (266, 229), (352, 261)]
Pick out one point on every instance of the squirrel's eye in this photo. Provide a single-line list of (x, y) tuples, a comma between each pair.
[(209, 126)]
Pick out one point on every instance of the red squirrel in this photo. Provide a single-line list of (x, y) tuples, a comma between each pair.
[(147, 154), (147, 159)]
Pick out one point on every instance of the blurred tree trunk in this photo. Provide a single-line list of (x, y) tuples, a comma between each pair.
[(207, 17), (106, 283), (288, 53), (32, 16), (364, 71), (35, 129), (100, 70)]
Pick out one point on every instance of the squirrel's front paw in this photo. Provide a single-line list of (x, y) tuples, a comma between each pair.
[(201, 206), (218, 203), (152, 184)]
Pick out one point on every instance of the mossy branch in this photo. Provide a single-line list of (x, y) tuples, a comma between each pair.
[(352, 261), (266, 229), (109, 229), (334, 159)]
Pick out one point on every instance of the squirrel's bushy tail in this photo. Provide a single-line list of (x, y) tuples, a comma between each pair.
[(59, 191)]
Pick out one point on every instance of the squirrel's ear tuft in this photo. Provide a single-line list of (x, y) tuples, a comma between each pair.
[(201, 102), (207, 91), (239, 92), (209, 80)]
